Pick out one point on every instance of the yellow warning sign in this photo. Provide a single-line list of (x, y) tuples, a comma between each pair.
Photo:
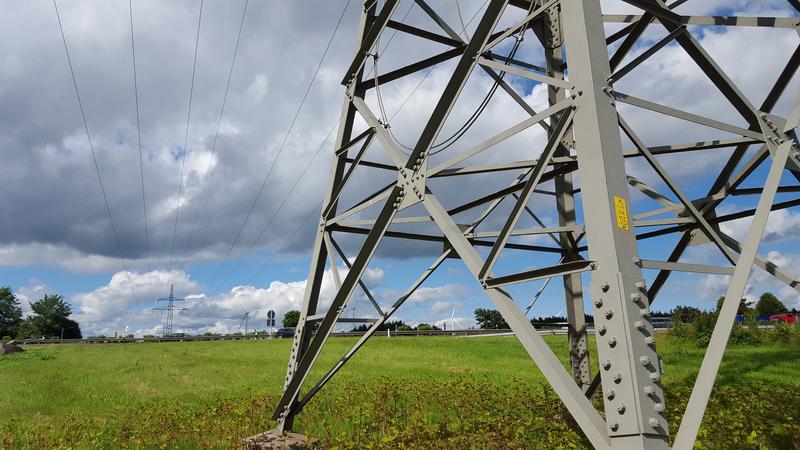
[(622, 213)]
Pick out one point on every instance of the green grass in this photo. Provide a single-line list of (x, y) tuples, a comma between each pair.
[(401, 392)]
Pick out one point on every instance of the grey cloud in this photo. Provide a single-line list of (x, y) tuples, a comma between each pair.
[(50, 200)]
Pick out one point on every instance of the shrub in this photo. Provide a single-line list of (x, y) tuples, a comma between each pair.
[(748, 334), (685, 332), (784, 333), (704, 327)]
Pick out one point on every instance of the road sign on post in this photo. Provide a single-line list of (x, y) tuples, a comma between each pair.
[(270, 320)]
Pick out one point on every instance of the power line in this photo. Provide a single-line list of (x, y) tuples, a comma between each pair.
[(402, 105), (294, 186), (186, 136), (285, 243), (283, 143), (94, 156), (305, 170), (452, 139), (282, 204), (141, 156), (216, 134)]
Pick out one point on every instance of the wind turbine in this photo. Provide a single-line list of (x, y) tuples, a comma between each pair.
[(454, 321), (244, 321)]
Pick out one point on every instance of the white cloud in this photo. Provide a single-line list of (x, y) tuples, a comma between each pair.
[(782, 225), (427, 294), (712, 287), (31, 292), (442, 306), (60, 219), (128, 298)]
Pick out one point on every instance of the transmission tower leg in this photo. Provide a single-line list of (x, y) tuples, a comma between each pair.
[(630, 367), (565, 205), (169, 319), (319, 254)]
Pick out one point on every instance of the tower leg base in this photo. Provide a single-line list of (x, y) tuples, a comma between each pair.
[(275, 440)]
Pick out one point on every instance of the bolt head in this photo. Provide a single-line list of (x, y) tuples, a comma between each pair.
[(609, 313), (614, 426), (612, 342), (611, 394), (598, 302), (649, 390), (645, 360), (656, 377), (606, 364), (653, 422), (639, 325), (602, 330), (649, 340), (605, 287), (621, 409), (658, 407), (618, 378)]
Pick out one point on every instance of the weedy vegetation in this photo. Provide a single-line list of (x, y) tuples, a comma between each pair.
[(420, 392)]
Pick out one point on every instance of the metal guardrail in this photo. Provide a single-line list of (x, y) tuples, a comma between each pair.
[(112, 340), (236, 337), (556, 330)]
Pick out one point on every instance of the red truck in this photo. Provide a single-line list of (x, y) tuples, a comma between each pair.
[(785, 317)]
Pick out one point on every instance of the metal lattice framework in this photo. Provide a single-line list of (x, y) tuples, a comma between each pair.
[(170, 307), (598, 236)]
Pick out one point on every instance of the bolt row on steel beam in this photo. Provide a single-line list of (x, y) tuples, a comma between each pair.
[(582, 126)]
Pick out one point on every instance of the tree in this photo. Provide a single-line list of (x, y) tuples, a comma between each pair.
[(291, 318), (744, 307), (394, 325), (10, 312), (769, 305), (51, 320), (427, 327), (685, 314), (490, 319)]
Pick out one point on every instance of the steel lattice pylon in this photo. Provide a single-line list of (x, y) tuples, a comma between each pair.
[(584, 132)]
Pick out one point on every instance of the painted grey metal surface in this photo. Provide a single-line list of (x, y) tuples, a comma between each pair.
[(599, 235)]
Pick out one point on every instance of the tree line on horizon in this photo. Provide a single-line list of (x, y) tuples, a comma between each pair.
[(767, 305), (49, 318)]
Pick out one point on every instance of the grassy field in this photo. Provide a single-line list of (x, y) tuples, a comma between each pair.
[(419, 392)]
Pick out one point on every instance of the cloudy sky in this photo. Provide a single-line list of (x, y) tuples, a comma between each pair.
[(229, 224)]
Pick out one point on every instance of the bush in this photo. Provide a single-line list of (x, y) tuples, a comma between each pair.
[(6, 338), (748, 334), (704, 327), (784, 333), (683, 331)]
